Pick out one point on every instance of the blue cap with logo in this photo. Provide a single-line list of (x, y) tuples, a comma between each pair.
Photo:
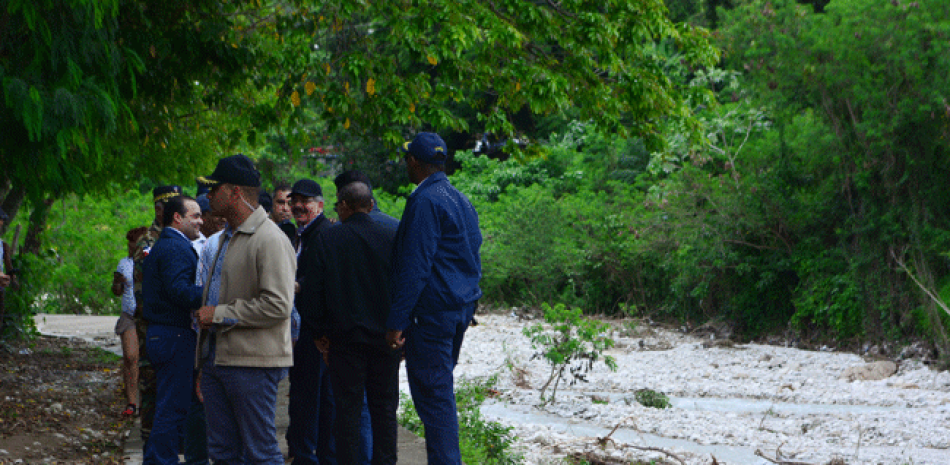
[(427, 147)]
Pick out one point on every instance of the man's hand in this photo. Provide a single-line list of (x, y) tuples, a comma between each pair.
[(118, 283), (4, 280), (323, 345), (201, 397), (205, 316), (395, 340)]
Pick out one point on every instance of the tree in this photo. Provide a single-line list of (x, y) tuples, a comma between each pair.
[(877, 74), (387, 68)]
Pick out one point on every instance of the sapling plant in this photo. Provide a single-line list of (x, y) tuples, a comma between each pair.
[(571, 343)]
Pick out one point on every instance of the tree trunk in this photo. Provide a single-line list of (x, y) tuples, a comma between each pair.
[(11, 205), (34, 235)]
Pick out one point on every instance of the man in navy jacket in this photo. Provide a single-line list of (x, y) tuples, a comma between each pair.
[(436, 270), (170, 296)]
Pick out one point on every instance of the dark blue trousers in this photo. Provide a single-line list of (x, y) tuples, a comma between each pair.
[(171, 351), (433, 342), (310, 433)]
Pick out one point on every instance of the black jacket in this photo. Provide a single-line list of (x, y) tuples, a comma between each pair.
[(350, 292), (305, 271)]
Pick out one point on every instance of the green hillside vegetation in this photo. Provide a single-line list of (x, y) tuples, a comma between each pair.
[(775, 165)]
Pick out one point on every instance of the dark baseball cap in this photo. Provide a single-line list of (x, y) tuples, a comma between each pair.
[(163, 193), (307, 188), (236, 169), (427, 147)]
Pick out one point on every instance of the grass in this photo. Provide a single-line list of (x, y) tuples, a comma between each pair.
[(481, 441)]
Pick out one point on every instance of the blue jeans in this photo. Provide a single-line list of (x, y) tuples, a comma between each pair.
[(240, 404), (433, 342), (171, 351)]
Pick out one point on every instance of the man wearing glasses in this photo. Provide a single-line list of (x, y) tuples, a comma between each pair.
[(309, 434)]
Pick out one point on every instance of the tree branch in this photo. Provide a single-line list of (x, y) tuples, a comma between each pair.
[(900, 263)]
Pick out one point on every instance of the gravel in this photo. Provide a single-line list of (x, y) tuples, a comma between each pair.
[(730, 402)]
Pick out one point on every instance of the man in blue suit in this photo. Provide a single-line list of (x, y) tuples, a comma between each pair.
[(435, 275), (170, 296)]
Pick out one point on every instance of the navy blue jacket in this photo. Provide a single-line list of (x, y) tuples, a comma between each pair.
[(387, 221), (168, 281), (436, 262), (351, 289)]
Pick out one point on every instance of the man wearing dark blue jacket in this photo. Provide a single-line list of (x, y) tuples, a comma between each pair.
[(436, 270), (170, 296)]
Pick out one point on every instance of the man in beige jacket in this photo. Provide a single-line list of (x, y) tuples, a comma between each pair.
[(245, 346)]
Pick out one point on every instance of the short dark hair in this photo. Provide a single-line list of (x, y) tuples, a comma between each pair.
[(281, 186), (174, 205), (351, 176), (135, 233), (356, 195), (265, 200)]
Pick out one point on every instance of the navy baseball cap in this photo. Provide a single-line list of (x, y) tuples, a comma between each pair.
[(236, 169), (427, 147), (307, 188), (163, 193)]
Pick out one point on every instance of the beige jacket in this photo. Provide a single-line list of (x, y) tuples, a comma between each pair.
[(257, 290)]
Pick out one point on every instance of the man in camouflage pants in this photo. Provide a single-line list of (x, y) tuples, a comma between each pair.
[(161, 195)]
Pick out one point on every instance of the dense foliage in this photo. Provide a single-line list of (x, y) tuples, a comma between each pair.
[(793, 187)]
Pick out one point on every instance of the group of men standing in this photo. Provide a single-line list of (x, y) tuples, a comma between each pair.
[(369, 290)]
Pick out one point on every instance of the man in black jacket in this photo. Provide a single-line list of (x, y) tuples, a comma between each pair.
[(309, 434), (350, 300)]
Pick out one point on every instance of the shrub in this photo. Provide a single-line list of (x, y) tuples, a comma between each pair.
[(570, 346)]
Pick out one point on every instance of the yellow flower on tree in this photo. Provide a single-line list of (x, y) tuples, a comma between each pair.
[(310, 87), (295, 98), (412, 108), (371, 86), (432, 60), (346, 124)]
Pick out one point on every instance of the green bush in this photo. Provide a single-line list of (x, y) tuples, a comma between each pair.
[(82, 245), (652, 399), (571, 345)]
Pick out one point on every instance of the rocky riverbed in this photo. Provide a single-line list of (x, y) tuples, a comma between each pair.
[(731, 403)]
